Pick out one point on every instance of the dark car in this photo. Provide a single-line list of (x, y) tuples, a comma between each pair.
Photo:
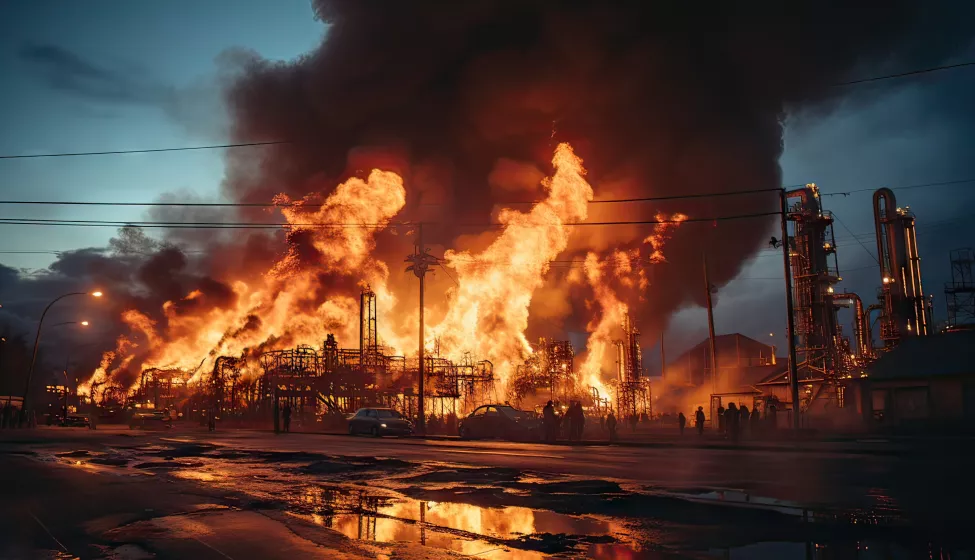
[(74, 421), (154, 420), (500, 421), (379, 422)]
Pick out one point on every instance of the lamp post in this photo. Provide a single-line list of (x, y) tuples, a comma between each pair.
[(64, 412), (37, 340)]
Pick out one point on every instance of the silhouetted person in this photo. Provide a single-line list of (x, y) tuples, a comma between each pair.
[(577, 421), (286, 413), (570, 416), (633, 421), (756, 422), (6, 420), (743, 419), (699, 420), (611, 424), (721, 419), (681, 421), (770, 417), (582, 420), (549, 422), (731, 421)]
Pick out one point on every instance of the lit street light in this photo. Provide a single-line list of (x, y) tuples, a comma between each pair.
[(82, 323), (37, 340)]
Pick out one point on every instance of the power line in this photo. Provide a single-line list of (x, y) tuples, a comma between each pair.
[(839, 221), (149, 151), (904, 74), (447, 272), (905, 187), (278, 225), (319, 205), (278, 142)]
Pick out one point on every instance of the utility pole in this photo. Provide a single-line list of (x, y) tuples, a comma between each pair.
[(420, 261), (663, 356), (790, 312), (714, 358)]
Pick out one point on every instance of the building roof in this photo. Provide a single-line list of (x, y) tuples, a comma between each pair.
[(928, 356), (723, 343)]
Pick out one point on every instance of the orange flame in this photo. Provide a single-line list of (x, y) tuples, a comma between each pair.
[(488, 310)]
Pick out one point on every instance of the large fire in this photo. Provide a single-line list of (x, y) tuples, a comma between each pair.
[(486, 315)]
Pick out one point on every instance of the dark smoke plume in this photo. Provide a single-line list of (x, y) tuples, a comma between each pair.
[(659, 98), (467, 99)]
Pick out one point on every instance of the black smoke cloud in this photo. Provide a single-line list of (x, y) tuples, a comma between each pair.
[(468, 99), (134, 272), (659, 98)]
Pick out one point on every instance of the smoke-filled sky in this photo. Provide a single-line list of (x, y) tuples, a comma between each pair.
[(469, 99)]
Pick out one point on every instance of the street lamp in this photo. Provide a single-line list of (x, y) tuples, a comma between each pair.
[(37, 339), (82, 323)]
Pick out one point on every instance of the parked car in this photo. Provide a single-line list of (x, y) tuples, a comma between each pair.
[(153, 420), (500, 421), (75, 421), (379, 422)]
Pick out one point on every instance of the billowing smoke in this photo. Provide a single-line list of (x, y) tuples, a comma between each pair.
[(467, 102), (468, 99)]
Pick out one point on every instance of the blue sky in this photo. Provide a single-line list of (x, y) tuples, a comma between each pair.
[(914, 131), (174, 44)]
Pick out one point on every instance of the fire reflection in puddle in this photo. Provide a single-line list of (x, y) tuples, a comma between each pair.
[(505, 532)]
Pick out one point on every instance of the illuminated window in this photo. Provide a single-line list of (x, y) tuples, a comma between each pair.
[(841, 397)]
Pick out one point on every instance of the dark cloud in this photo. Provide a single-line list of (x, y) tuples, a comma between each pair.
[(135, 272), (66, 71), (659, 98), (195, 106)]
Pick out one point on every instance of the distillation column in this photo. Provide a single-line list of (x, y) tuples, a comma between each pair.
[(905, 309)]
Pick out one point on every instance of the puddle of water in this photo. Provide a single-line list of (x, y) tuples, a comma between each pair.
[(321, 489), (505, 532)]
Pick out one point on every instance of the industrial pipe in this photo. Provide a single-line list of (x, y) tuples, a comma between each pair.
[(861, 328)]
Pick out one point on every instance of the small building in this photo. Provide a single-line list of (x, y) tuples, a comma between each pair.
[(741, 362), (923, 383)]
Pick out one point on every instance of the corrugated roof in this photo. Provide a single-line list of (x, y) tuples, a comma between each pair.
[(928, 356)]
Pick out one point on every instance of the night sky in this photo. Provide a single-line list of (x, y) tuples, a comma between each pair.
[(109, 75)]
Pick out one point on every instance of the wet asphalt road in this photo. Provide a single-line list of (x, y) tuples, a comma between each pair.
[(169, 493), (813, 478)]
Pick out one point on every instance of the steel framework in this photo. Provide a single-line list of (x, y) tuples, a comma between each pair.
[(960, 292), (633, 396)]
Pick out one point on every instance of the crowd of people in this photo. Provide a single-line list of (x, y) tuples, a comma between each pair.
[(570, 424), (737, 421)]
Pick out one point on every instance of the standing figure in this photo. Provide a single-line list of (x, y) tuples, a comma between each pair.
[(549, 422), (581, 419), (287, 416), (743, 419), (770, 419), (721, 419), (755, 422), (573, 416), (611, 424), (699, 420), (681, 421), (731, 421)]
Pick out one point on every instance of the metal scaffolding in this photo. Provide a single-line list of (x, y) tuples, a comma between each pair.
[(633, 396), (960, 292)]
